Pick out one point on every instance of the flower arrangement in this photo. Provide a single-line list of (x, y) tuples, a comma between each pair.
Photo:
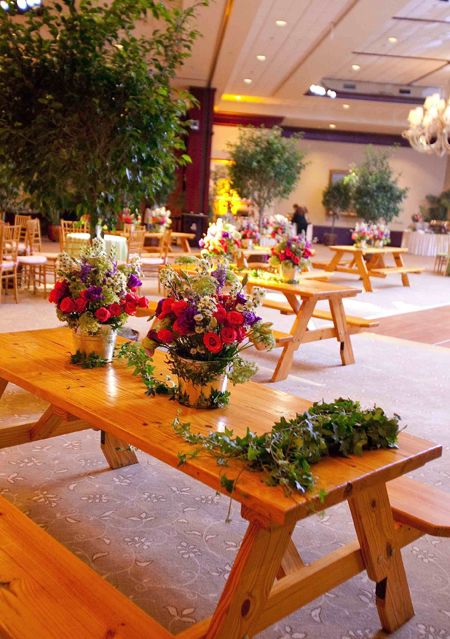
[(93, 292), (249, 231), (294, 250), (158, 219), (127, 216), (371, 235), (279, 227), (222, 239), (208, 319)]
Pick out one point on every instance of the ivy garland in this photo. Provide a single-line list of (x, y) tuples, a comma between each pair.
[(339, 428), (93, 360)]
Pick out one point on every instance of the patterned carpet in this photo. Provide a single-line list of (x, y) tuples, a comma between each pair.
[(161, 537)]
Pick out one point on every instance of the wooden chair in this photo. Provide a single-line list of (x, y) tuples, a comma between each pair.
[(35, 264), (21, 220), (71, 226), (135, 241), (441, 263), (151, 264), (8, 259)]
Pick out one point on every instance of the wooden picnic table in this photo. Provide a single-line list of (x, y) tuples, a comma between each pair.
[(175, 235), (268, 579), (302, 299), (373, 266)]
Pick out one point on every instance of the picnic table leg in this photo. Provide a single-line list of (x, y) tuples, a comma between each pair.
[(117, 453), (298, 329), (3, 385), (185, 246), (334, 261), (363, 272), (251, 578), (374, 526), (342, 332), (398, 259)]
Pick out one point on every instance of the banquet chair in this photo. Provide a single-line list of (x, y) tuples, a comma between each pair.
[(135, 242), (8, 259), (21, 220), (441, 263), (34, 264), (150, 263), (81, 236)]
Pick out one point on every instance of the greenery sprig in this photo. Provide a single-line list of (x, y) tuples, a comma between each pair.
[(143, 366), (285, 454), (93, 360)]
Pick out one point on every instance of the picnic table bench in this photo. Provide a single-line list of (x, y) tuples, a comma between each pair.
[(46, 594), (369, 261)]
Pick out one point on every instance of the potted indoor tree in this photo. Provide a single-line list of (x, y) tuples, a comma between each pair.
[(376, 194), (265, 166), (88, 117), (336, 198)]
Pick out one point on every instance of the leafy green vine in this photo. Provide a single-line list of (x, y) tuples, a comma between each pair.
[(143, 366), (286, 453), (93, 360)]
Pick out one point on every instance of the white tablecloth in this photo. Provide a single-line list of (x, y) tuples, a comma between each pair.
[(119, 243), (428, 244)]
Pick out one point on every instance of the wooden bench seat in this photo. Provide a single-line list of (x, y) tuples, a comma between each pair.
[(383, 272), (48, 593), (281, 339), (421, 506), (285, 309)]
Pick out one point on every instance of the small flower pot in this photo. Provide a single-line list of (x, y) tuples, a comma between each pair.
[(53, 232), (200, 384), (101, 344), (288, 271)]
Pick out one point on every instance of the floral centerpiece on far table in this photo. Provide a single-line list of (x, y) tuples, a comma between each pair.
[(249, 233), (221, 240), (280, 227), (291, 255), (377, 235), (205, 323), (95, 296), (157, 220)]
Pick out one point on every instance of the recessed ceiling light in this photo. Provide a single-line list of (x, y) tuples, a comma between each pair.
[(281, 23), (345, 106), (332, 126), (331, 94), (317, 89), (356, 67), (392, 39), (261, 58), (248, 80)]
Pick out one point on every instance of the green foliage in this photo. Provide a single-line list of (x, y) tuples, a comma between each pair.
[(375, 191), (93, 360), (9, 188), (336, 198), (137, 358), (265, 165), (438, 207), (286, 453), (87, 115)]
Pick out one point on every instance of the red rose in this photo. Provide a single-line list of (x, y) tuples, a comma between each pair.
[(241, 333), (58, 292), (228, 334), (67, 305), (179, 307), (84, 293), (165, 336), (295, 259), (115, 309), (212, 342), (142, 302), (235, 318), (131, 298), (166, 308), (102, 314), (80, 304), (179, 328), (130, 308), (220, 314)]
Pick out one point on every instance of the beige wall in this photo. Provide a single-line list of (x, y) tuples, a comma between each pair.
[(422, 173)]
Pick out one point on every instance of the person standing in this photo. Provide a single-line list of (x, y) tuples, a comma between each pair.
[(300, 218)]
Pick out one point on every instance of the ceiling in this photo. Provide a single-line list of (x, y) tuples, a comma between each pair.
[(320, 40)]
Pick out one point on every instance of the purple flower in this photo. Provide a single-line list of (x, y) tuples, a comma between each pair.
[(85, 272), (225, 235), (94, 293), (241, 298), (133, 281), (220, 274), (250, 318)]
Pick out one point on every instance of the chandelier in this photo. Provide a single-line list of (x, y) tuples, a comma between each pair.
[(429, 126)]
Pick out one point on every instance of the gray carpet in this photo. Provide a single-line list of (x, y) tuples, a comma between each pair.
[(160, 536)]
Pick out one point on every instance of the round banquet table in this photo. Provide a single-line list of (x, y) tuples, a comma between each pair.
[(426, 244), (75, 242), (119, 243)]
